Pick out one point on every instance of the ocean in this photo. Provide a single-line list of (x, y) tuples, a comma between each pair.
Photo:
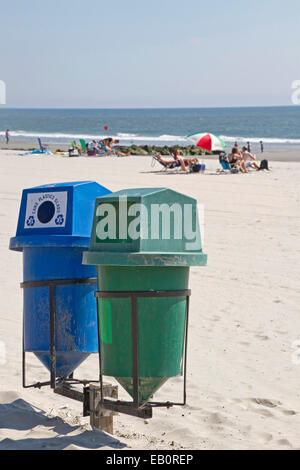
[(276, 126)]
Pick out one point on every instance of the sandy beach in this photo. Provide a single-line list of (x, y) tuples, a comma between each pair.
[(243, 387)]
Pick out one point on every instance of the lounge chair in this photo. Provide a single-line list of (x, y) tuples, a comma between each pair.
[(43, 148), (83, 145), (226, 167), (75, 147), (172, 164), (167, 166)]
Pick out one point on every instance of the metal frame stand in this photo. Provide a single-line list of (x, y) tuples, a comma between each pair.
[(137, 407), (51, 284), (65, 385)]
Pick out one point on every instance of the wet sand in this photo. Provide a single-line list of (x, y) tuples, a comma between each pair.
[(271, 153)]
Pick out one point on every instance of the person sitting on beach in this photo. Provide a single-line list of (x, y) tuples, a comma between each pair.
[(246, 155), (106, 145), (235, 159), (93, 147), (120, 154), (76, 147)]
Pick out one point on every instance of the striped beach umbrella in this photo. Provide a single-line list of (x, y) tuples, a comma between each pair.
[(207, 141)]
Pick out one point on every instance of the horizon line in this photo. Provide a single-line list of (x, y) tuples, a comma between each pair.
[(144, 107)]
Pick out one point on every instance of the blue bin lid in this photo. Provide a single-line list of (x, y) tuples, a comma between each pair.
[(58, 214)]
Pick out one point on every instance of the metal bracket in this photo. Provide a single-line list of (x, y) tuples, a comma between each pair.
[(137, 407), (89, 395), (51, 284)]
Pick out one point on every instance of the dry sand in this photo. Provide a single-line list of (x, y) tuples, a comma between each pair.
[(243, 388)]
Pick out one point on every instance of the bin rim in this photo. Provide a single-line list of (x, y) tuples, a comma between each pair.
[(47, 241), (113, 258)]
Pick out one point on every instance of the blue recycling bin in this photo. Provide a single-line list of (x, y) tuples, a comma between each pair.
[(54, 228)]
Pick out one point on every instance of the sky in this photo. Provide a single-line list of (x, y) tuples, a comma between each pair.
[(156, 53)]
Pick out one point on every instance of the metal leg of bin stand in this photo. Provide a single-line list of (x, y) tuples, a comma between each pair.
[(99, 352), (137, 408), (135, 351), (91, 396), (185, 346)]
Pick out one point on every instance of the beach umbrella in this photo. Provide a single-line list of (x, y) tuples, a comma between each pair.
[(207, 141)]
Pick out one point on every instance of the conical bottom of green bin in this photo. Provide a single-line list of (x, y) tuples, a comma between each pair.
[(147, 386)]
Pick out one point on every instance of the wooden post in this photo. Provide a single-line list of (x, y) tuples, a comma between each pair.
[(100, 417)]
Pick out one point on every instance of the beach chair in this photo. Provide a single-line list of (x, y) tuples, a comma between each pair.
[(166, 166), (43, 148), (83, 145), (226, 167), (75, 147)]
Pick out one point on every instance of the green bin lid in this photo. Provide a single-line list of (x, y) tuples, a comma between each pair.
[(146, 227)]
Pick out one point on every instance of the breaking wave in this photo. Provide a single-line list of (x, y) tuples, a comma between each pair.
[(128, 138)]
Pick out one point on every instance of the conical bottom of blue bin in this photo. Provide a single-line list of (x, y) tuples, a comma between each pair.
[(66, 362)]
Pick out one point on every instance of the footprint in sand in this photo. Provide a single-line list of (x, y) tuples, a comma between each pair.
[(289, 412), (262, 337), (265, 413), (216, 318), (265, 437), (284, 442), (266, 402)]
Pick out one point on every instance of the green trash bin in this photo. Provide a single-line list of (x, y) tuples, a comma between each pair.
[(143, 243)]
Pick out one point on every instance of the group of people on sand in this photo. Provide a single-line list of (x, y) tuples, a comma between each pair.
[(105, 147), (239, 158)]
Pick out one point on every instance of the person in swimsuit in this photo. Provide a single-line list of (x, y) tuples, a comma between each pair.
[(235, 159), (187, 161), (246, 155), (106, 145), (7, 135), (178, 161)]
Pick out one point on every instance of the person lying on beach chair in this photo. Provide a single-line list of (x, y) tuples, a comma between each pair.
[(169, 164), (188, 162), (184, 163)]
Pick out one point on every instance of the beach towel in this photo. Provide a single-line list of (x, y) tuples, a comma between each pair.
[(36, 152)]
